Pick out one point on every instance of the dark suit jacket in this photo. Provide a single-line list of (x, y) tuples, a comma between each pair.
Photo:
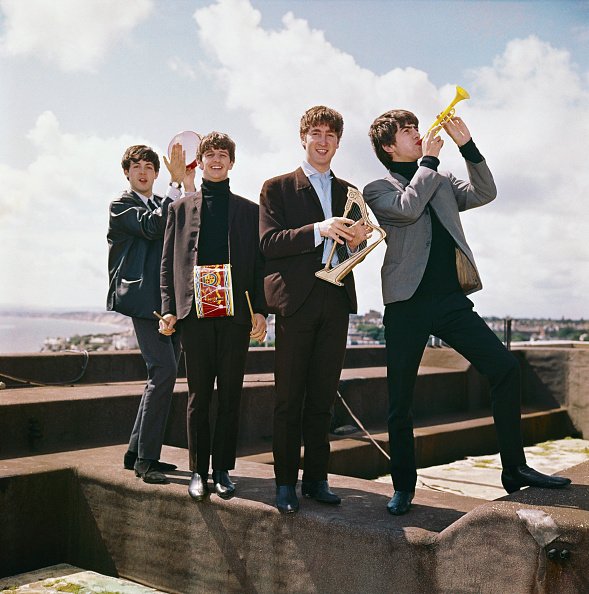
[(135, 238), (180, 256), (289, 206)]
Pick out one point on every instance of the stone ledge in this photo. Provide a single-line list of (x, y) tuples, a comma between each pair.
[(156, 535)]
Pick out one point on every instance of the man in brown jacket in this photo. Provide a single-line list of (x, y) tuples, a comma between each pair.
[(207, 227), (300, 217)]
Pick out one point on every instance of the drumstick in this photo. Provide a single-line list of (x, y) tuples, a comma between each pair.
[(247, 296), (157, 315)]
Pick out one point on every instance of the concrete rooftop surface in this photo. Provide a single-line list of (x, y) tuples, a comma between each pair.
[(66, 499)]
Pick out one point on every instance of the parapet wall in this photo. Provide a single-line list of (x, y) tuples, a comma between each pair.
[(558, 377), (82, 508)]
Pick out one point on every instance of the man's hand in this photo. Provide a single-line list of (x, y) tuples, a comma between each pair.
[(167, 325), (259, 329), (457, 131), (432, 144), (189, 185), (336, 228), (361, 233), (177, 163)]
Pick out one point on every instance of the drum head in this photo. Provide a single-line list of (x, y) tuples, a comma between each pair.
[(190, 142)]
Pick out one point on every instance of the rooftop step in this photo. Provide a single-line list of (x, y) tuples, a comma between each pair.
[(49, 419), (470, 434)]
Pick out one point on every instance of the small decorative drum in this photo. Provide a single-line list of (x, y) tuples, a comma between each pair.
[(213, 291)]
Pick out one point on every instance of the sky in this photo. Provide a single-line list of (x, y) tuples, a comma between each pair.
[(81, 81)]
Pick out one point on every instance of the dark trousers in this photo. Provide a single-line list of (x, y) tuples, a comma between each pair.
[(310, 350), (450, 317), (161, 355), (215, 348)]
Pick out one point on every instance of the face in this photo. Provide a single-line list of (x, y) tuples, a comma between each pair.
[(407, 147), (215, 164), (320, 144), (141, 177)]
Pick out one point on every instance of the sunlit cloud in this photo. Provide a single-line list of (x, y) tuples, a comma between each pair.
[(55, 216), (74, 34)]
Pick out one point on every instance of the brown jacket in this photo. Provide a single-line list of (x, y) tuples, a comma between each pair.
[(289, 206), (181, 250)]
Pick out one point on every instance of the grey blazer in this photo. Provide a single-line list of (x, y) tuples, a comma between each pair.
[(400, 208)]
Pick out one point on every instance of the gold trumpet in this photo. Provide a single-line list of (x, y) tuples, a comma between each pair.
[(449, 112)]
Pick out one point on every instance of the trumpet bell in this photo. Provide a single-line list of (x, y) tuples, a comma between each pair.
[(448, 113), (462, 93)]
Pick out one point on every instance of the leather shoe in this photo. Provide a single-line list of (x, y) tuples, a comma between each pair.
[(286, 499), (197, 489), (514, 478), (319, 491), (131, 457), (146, 470), (400, 502), (224, 487)]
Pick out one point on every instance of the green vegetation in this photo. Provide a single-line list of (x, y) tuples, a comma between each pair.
[(372, 331)]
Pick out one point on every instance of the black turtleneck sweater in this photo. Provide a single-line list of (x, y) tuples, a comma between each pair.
[(440, 274), (213, 240)]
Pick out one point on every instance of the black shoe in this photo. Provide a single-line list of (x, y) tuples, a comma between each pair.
[(319, 491), (515, 477), (165, 466), (146, 470), (286, 499), (131, 457), (129, 460), (400, 503), (223, 485), (197, 489)]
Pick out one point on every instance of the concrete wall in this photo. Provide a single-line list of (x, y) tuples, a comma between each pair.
[(95, 516), (559, 377)]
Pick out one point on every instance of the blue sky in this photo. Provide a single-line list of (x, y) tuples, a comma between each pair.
[(83, 80)]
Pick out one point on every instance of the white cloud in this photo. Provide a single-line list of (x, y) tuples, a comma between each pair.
[(75, 34), (529, 113), (55, 217), (181, 67)]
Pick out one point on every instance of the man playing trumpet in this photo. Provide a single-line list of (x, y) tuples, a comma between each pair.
[(428, 270)]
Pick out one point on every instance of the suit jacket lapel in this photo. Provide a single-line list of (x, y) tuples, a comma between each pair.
[(306, 191), (197, 212), (135, 198), (339, 196)]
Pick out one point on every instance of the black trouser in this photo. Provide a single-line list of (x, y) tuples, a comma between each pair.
[(450, 317), (310, 350), (161, 354), (215, 348)]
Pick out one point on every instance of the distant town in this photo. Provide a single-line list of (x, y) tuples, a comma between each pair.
[(364, 329)]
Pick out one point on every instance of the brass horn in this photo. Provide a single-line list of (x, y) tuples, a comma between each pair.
[(448, 113), (355, 208)]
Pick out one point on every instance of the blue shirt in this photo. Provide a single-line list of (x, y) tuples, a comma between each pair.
[(321, 182)]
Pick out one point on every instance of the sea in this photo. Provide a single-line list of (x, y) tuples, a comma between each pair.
[(20, 334)]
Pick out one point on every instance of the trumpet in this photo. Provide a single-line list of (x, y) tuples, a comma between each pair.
[(449, 112)]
